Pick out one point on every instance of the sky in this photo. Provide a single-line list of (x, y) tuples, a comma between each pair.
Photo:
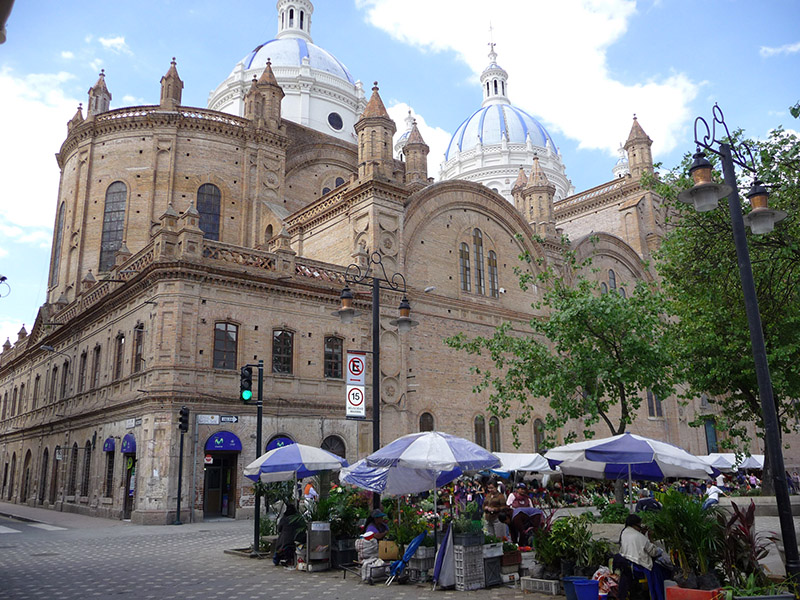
[(583, 68)]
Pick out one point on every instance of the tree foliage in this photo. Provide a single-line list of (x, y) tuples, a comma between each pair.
[(589, 356), (701, 278)]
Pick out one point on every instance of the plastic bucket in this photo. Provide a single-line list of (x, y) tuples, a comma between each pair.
[(569, 586), (586, 590)]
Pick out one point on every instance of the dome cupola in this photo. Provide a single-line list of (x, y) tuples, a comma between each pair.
[(494, 80), (294, 19)]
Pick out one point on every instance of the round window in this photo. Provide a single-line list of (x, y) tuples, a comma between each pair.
[(335, 121)]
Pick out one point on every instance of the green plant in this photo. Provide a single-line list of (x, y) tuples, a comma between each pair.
[(750, 586), (598, 552), (693, 536), (268, 526), (509, 547), (743, 548), (490, 539), (614, 513), (571, 537), (546, 551)]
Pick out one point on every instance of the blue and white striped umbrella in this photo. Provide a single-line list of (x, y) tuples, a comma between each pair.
[(294, 460), (395, 481), (434, 451)]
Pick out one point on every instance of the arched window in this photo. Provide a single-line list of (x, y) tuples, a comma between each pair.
[(64, 380), (225, 345), (109, 488), (711, 435), (5, 405), (622, 292), (113, 223), (119, 355), (21, 407), (463, 257), (73, 470), (13, 475), (325, 190), (268, 233), (503, 87), (335, 445), (339, 181), (333, 357), (603, 288), (494, 288), (36, 385), (488, 91), (612, 280), (426, 422), (87, 465), (282, 351), (208, 205), (96, 355), (654, 408), (495, 86), (138, 348), (43, 475), (494, 434), (57, 247), (538, 435), (26, 477), (53, 385), (291, 17), (480, 431), (302, 14), (14, 402), (477, 248)]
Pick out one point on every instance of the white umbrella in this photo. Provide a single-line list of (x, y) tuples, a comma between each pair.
[(295, 460), (718, 461), (521, 461), (395, 481), (754, 461)]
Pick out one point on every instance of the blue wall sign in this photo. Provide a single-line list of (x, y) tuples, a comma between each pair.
[(223, 440), (128, 444), (108, 445), (278, 442)]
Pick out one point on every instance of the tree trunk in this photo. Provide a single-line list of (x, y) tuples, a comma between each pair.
[(619, 491)]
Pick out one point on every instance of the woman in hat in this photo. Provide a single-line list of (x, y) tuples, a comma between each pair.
[(637, 550), (376, 523)]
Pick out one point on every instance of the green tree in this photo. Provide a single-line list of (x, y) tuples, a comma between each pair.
[(590, 356), (700, 274)]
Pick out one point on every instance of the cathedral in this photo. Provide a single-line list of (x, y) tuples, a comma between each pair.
[(191, 241)]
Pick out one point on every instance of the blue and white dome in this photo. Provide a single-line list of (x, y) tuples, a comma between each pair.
[(319, 91), (491, 124), (497, 139)]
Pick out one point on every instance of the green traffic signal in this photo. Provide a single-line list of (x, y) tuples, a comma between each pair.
[(246, 383), (247, 394)]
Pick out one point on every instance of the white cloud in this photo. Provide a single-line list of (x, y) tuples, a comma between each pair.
[(96, 64), (115, 44), (564, 79), (3, 254), (129, 100), (436, 137), (66, 54), (29, 187), (767, 51)]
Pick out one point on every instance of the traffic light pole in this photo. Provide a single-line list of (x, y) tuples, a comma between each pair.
[(259, 414), (180, 480)]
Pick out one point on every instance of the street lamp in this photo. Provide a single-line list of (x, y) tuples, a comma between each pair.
[(355, 275), (704, 196)]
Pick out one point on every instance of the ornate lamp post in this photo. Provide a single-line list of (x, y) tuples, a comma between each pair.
[(369, 276), (704, 196)]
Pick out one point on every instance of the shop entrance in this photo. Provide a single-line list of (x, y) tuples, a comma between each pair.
[(219, 499), (129, 475)]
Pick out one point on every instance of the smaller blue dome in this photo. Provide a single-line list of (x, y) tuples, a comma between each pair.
[(488, 124), (290, 52)]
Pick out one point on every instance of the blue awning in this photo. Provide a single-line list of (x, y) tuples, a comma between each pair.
[(108, 445), (278, 442), (128, 444), (224, 440)]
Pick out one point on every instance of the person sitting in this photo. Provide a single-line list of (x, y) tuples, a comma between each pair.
[(639, 553), (647, 503), (519, 497), (376, 523), (287, 532)]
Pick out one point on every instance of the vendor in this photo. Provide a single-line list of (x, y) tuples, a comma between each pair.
[(287, 532), (376, 523), (519, 497), (494, 503), (522, 523), (640, 553)]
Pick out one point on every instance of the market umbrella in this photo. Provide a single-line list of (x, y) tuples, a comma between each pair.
[(718, 461), (292, 461), (522, 461), (627, 456), (754, 461), (395, 481)]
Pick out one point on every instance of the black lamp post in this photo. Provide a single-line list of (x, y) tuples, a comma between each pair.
[(704, 196), (368, 276)]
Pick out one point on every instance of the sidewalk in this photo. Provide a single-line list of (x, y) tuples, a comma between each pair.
[(23, 512)]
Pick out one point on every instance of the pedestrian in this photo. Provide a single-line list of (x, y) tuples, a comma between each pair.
[(494, 504), (712, 496)]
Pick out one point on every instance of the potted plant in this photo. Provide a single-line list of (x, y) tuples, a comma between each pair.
[(466, 530), (571, 538), (511, 554), (492, 546)]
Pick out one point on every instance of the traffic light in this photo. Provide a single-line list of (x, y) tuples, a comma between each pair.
[(246, 383), (183, 419)]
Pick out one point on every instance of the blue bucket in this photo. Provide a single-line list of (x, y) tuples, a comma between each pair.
[(586, 590), (569, 586)]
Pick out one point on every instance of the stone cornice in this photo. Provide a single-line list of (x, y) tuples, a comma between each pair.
[(595, 198)]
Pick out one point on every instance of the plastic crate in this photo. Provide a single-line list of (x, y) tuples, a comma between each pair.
[(419, 575), (540, 586), (468, 539), (492, 550), (425, 552), (421, 564), (469, 568), (491, 571)]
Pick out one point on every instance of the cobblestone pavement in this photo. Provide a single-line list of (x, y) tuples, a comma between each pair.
[(186, 562)]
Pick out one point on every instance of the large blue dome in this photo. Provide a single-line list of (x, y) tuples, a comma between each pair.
[(290, 52), (488, 124)]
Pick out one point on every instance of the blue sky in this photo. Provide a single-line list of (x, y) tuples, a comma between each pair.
[(581, 67)]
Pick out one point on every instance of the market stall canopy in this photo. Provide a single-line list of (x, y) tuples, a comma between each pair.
[(717, 461), (435, 451), (295, 460), (627, 456), (395, 481), (520, 461), (754, 461)]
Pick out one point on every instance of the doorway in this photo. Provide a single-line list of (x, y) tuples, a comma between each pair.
[(219, 496), (129, 502), (43, 478)]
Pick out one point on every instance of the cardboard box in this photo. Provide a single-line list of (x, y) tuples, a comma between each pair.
[(388, 550)]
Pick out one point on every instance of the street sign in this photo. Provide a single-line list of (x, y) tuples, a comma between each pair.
[(130, 423), (208, 459), (59, 455), (356, 367), (356, 405), (208, 419), (228, 419)]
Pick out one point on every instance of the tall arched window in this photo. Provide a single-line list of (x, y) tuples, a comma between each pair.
[(291, 17), (622, 292), (36, 385), (43, 475), (87, 466), (426, 422), (14, 402), (335, 445), (302, 14), (73, 470), (603, 288), (282, 351), (463, 257), (480, 431), (494, 288), (208, 205), (538, 435), (57, 247), (612, 280), (13, 475), (477, 248), (21, 407), (5, 406), (113, 223), (138, 348), (494, 434), (119, 355)]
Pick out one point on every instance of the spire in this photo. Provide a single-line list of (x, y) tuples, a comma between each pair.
[(375, 107), (637, 133), (537, 201), (640, 157), (77, 119), (99, 96), (521, 181), (538, 178), (416, 151), (268, 75), (171, 88), (294, 19), (494, 81)]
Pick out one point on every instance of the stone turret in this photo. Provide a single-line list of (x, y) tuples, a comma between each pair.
[(77, 119), (262, 104), (640, 159), (171, 88), (375, 130), (516, 191), (99, 97), (416, 151), (537, 199)]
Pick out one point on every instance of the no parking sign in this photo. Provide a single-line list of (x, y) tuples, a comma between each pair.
[(356, 370)]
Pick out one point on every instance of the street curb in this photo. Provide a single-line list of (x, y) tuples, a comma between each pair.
[(19, 518)]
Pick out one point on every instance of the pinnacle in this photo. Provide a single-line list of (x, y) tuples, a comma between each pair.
[(637, 133), (267, 75), (415, 137), (521, 181), (538, 177), (375, 107)]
